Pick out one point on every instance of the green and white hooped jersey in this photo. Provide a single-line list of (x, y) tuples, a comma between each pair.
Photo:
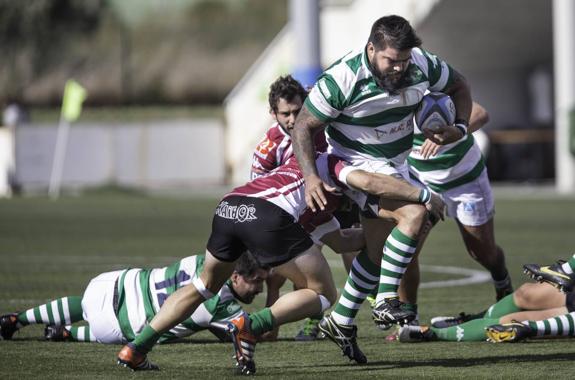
[(455, 164), (143, 291), (365, 121)]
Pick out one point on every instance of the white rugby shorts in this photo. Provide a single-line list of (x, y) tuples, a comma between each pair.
[(98, 308), (472, 203)]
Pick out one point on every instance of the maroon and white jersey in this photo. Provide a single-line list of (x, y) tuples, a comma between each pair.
[(284, 187), (275, 149)]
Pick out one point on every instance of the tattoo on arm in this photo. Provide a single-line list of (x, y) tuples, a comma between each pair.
[(305, 128), (461, 95)]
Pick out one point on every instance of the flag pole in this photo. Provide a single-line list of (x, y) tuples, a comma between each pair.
[(58, 161), (74, 96)]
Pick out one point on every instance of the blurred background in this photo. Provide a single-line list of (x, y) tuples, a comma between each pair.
[(176, 91), (175, 103)]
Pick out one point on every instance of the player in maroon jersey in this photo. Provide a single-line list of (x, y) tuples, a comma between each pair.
[(285, 99)]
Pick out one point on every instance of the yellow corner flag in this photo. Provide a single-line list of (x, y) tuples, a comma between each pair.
[(74, 96)]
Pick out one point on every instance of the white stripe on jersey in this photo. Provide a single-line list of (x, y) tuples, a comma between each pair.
[(317, 100), (30, 316), (44, 314), (284, 150), (58, 319), (343, 75), (283, 187), (272, 193), (188, 264), (134, 300), (66, 310), (202, 317), (156, 276), (440, 176), (290, 198)]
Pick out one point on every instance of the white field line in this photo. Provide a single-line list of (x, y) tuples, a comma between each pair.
[(470, 276)]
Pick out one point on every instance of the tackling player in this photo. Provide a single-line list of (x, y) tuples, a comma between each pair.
[(285, 100), (117, 305)]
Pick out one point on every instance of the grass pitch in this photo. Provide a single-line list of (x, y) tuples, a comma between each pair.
[(52, 249)]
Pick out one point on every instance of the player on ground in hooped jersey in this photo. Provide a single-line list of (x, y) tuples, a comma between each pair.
[(365, 102), (285, 98), (533, 310), (117, 305)]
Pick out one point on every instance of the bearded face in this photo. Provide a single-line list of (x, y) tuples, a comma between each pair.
[(388, 66)]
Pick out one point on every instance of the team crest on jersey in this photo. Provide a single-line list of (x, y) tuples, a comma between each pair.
[(232, 308), (241, 213), (364, 90)]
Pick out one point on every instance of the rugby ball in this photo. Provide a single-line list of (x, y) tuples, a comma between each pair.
[(435, 111)]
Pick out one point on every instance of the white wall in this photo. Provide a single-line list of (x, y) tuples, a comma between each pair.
[(6, 161), (162, 155)]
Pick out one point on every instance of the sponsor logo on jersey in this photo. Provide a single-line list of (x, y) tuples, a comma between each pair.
[(398, 128), (241, 213), (264, 148)]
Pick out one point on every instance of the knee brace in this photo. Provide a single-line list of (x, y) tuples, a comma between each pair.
[(325, 304), (201, 288)]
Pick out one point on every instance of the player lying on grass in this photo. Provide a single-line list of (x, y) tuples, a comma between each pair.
[(117, 305), (561, 274), (533, 310)]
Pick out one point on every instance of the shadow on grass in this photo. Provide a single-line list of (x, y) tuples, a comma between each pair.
[(448, 363)]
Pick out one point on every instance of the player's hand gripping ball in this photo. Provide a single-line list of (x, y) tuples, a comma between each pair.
[(435, 111)]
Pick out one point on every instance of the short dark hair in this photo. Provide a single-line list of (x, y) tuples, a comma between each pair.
[(285, 87), (394, 32), (248, 265)]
